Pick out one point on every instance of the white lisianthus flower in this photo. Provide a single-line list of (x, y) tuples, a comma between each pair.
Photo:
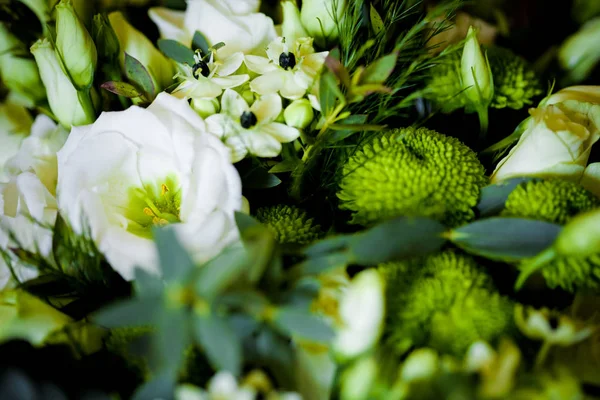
[(290, 69), (251, 129), (136, 169), (233, 22), (38, 152), (15, 124), (207, 80), (556, 142)]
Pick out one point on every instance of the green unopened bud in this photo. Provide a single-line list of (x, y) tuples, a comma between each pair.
[(62, 95), (299, 114), (476, 74), (358, 379), (321, 18), (291, 28), (581, 236), (579, 53), (75, 46), (19, 74), (421, 364), (205, 107), (107, 42), (249, 96)]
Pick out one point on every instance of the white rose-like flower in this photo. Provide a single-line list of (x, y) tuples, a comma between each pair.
[(15, 124), (233, 22), (251, 129), (139, 168)]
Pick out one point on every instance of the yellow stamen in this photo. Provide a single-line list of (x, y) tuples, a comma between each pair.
[(148, 212), (163, 189)]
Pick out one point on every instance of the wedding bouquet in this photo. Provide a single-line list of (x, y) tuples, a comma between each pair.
[(315, 199)]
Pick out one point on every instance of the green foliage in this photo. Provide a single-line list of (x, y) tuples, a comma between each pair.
[(445, 301), (413, 172), (573, 273), (289, 224), (552, 200)]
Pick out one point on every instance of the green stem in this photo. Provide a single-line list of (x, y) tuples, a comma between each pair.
[(483, 121), (534, 265), (85, 99), (542, 354)]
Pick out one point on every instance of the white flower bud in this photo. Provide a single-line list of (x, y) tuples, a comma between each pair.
[(358, 379), (299, 114), (421, 364), (75, 46), (62, 95), (319, 18), (476, 74), (206, 107), (291, 27)]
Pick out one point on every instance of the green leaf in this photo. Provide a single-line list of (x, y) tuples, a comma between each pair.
[(376, 21), (200, 42), (342, 131), (147, 284), (136, 72), (284, 166), (175, 262), (171, 339), (259, 244), (274, 351), (329, 92), (302, 323), (379, 70), (332, 62), (176, 51), (396, 239), (328, 245), (161, 387), (506, 239), (322, 264), (140, 311), (220, 272), (220, 343), (244, 222), (259, 178), (122, 89), (493, 197)]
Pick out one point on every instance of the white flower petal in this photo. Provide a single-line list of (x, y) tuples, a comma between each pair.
[(170, 24), (233, 104), (281, 132), (228, 82), (260, 65), (269, 83), (262, 144), (267, 108), (231, 64), (276, 47)]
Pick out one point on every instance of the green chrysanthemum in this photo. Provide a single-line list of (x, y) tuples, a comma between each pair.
[(552, 200), (289, 224), (515, 83), (414, 172), (444, 301), (573, 273)]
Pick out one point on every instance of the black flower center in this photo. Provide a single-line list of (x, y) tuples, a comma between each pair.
[(248, 119), (200, 68), (554, 322), (287, 60)]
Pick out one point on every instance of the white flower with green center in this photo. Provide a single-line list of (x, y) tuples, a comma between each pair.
[(251, 129), (207, 80), (138, 169), (290, 69)]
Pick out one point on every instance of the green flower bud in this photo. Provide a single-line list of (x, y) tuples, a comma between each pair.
[(75, 46), (299, 114), (579, 53), (319, 18), (289, 224), (581, 236), (19, 74), (206, 107), (358, 379), (107, 42), (62, 95), (476, 74), (291, 28), (421, 365)]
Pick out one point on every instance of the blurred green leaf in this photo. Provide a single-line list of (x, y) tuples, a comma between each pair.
[(221, 272), (354, 123), (175, 262), (328, 245), (259, 178), (136, 72), (161, 387), (303, 323), (259, 244), (171, 339), (176, 51), (323, 263), (284, 166), (139, 311), (122, 89), (333, 63), (507, 239), (378, 71), (244, 222), (329, 92), (376, 21), (396, 239), (220, 343), (250, 301), (274, 351), (147, 284), (200, 42), (493, 197)]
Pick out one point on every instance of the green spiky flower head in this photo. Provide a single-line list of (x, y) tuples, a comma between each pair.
[(515, 82), (445, 301), (414, 172), (551, 200), (289, 224)]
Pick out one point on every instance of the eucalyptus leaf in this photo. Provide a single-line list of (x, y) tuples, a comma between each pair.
[(139, 311), (176, 51), (221, 271), (379, 70), (244, 221), (259, 178), (506, 239), (397, 238), (122, 89), (136, 72), (172, 337), (284, 166), (147, 284), (321, 264), (274, 351), (161, 387), (328, 245), (200, 42), (175, 262), (300, 322), (493, 197), (220, 343)]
